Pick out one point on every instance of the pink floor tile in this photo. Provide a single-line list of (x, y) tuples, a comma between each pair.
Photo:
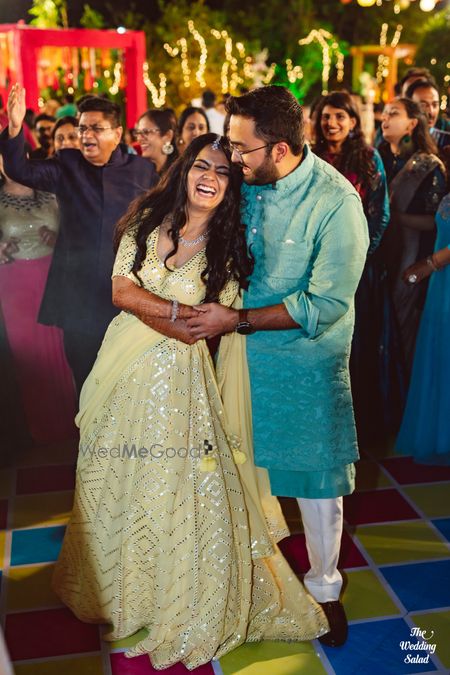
[(405, 471), (140, 665), (32, 480), (52, 632), (377, 506)]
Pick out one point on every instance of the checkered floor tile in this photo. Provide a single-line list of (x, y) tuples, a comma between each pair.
[(395, 558)]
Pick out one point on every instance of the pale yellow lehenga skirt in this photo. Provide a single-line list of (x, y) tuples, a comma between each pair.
[(161, 538)]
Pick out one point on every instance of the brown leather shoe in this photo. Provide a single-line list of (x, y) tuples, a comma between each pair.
[(335, 613)]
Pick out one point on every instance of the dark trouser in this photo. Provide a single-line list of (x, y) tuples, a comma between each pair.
[(81, 351)]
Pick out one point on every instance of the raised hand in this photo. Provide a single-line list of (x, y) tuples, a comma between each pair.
[(16, 109)]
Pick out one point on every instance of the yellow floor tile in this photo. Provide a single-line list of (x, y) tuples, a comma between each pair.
[(85, 665), (42, 509), (270, 658), (369, 476), (401, 542), (436, 624), (30, 588), (433, 499), (7, 483), (365, 596)]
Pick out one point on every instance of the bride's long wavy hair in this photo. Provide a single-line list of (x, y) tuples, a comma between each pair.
[(227, 256)]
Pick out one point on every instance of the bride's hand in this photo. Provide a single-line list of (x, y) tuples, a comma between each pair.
[(186, 312)]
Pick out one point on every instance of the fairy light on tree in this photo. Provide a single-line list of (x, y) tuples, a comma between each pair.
[(114, 89), (182, 51), (158, 95), (267, 79), (294, 73), (384, 61), (200, 74), (322, 36), (228, 63)]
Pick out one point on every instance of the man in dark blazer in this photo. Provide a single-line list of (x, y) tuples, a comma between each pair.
[(94, 187)]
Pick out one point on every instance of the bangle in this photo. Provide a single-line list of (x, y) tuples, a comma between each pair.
[(432, 264), (174, 312)]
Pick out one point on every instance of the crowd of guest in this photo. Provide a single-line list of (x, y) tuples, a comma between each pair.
[(400, 174)]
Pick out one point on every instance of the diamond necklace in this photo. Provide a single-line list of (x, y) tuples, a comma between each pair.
[(189, 243)]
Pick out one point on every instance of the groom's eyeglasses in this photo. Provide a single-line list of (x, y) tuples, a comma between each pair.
[(241, 153)]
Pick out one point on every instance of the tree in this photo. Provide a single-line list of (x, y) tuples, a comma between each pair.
[(49, 13), (433, 47)]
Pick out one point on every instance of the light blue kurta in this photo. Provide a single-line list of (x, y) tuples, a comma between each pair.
[(308, 234)]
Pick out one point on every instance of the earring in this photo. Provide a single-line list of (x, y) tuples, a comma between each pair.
[(168, 148), (406, 145)]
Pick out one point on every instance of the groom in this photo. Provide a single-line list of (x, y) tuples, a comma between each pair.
[(308, 235)]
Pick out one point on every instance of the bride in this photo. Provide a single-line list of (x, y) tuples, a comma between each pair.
[(173, 528)]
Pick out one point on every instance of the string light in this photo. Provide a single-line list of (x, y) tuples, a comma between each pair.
[(321, 36), (397, 35), (228, 63), (270, 73), (241, 49), (427, 5), (200, 74), (340, 66), (172, 51), (399, 5), (294, 73), (384, 60), (444, 102), (114, 89), (158, 95)]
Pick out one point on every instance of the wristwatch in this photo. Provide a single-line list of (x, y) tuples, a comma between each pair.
[(244, 327)]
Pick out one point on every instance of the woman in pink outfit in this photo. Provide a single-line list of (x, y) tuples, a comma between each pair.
[(28, 229)]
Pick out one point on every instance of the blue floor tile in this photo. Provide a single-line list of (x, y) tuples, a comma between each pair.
[(443, 525), (37, 545), (374, 648), (420, 585)]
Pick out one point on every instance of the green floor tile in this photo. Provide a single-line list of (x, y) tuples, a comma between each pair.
[(434, 500), (365, 597), (84, 665), (129, 641), (270, 658), (370, 476), (438, 625), (401, 542)]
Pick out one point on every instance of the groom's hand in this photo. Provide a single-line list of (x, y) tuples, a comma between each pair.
[(213, 319)]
